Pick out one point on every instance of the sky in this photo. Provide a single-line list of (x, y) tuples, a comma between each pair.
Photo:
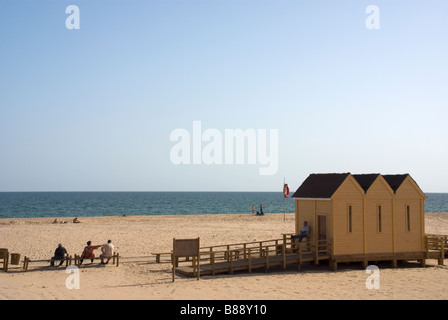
[(97, 108)]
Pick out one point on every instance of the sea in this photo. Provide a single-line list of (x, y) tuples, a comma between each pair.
[(94, 204)]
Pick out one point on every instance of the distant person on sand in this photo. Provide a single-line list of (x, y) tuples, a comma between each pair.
[(107, 252), (76, 220), (260, 213), (59, 254), (88, 252), (253, 209), (55, 221)]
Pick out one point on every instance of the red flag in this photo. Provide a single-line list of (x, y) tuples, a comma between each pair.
[(285, 190)]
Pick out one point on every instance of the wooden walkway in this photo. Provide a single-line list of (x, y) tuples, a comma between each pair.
[(245, 257), (257, 255)]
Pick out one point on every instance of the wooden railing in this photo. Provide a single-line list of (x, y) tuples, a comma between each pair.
[(436, 245), (262, 254)]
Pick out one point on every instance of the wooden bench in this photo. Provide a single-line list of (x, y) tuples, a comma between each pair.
[(45, 263), (158, 254), (295, 242), (170, 254), (115, 259)]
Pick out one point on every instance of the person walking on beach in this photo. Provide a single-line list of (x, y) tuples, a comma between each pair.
[(107, 252), (260, 213), (253, 209), (88, 252)]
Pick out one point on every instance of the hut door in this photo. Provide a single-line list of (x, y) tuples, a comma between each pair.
[(322, 230)]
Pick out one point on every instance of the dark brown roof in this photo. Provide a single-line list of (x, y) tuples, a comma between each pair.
[(320, 185), (395, 180), (366, 180), (324, 185)]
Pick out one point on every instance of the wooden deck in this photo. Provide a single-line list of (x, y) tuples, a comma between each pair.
[(248, 266), (246, 257)]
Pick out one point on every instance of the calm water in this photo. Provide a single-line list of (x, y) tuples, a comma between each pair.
[(84, 204)]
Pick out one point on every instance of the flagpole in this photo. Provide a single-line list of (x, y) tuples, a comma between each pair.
[(284, 205)]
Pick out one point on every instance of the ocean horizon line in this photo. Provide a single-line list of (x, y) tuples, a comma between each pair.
[(115, 191), (119, 203), (167, 191)]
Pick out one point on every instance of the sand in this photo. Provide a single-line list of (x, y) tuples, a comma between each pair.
[(136, 236)]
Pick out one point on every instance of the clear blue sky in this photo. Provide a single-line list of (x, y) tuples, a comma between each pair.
[(93, 109)]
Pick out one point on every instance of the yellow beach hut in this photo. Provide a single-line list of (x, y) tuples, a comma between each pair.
[(363, 216)]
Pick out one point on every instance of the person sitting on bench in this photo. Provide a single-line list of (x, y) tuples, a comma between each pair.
[(88, 252), (59, 254), (107, 252), (303, 232)]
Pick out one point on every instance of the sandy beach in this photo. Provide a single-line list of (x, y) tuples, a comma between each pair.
[(138, 236)]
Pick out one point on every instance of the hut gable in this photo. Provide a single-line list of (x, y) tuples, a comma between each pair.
[(366, 180), (404, 186), (350, 188), (374, 185), (395, 180), (378, 216)]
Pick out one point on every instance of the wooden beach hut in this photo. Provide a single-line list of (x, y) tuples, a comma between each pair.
[(365, 217)]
